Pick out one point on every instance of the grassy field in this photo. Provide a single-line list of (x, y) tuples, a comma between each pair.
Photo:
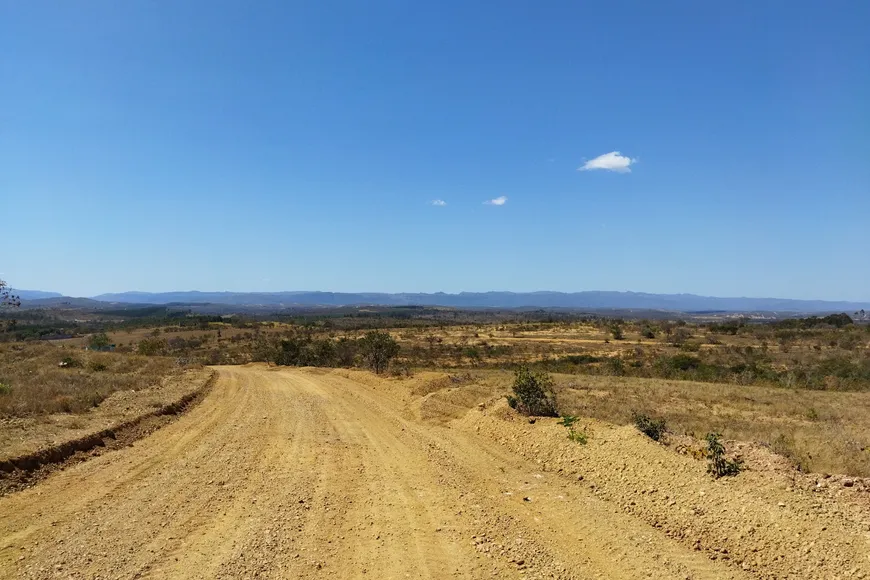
[(820, 431), (34, 382)]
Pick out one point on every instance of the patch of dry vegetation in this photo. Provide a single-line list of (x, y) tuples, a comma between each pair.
[(35, 383), (820, 431)]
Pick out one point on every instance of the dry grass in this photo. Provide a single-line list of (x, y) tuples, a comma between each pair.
[(34, 384), (821, 431)]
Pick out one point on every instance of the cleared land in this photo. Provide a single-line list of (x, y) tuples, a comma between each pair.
[(341, 474)]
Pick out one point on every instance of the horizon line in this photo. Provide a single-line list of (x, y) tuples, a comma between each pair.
[(658, 294)]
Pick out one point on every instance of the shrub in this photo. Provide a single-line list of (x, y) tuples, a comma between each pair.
[(533, 393), (5, 389), (70, 362), (616, 332), (652, 428), (580, 437), (581, 359), (690, 347), (151, 346), (345, 352), (679, 336), (719, 465), (99, 341), (97, 366), (615, 366), (681, 362), (378, 349)]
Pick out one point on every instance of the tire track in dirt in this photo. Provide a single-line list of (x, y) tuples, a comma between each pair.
[(298, 473), (552, 533)]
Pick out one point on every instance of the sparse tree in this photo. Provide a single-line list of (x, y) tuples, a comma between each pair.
[(99, 341), (7, 299), (378, 349), (345, 352)]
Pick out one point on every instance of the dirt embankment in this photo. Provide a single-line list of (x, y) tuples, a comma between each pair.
[(35, 448), (299, 473)]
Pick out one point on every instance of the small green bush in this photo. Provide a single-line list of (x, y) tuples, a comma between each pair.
[(5, 389), (98, 341), (652, 428), (151, 346), (691, 347), (70, 362), (680, 362), (615, 366), (568, 422), (533, 393), (97, 366), (719, 465)]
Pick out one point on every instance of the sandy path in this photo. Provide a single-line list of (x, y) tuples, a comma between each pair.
[(298, 473)]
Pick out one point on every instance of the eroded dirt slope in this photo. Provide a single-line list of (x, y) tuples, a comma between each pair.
[(318, 474)]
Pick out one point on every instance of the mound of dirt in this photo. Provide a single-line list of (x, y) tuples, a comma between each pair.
[(761, 521)]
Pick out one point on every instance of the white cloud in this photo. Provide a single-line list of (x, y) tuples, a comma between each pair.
[(612, 161), (438, 202), (497, 201)]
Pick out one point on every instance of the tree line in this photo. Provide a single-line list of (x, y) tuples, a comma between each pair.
[(374, 350)]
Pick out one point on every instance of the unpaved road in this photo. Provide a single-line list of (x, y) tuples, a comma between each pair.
[(308, 474)]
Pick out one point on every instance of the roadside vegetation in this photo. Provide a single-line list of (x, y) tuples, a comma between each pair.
[(651, 427), (718, 464), (533, 394), (569, 422), (40, 379), (799, 385)]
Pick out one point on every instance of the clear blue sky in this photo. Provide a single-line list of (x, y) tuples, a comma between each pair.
[(212, 145)]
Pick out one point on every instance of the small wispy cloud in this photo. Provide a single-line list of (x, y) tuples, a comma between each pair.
[(497, 201), (613, 161), (438, 202)]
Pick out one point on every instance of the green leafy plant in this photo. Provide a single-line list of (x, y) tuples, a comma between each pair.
[(533, 393), (649, 426), (98, 341), (5, 389), (70, 362), (719, 465), (568, 422)]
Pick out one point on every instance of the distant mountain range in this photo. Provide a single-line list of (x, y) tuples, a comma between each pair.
[(35, 294), (574, 300)]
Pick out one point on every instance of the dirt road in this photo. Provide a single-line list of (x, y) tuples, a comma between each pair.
[(308, 474)]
